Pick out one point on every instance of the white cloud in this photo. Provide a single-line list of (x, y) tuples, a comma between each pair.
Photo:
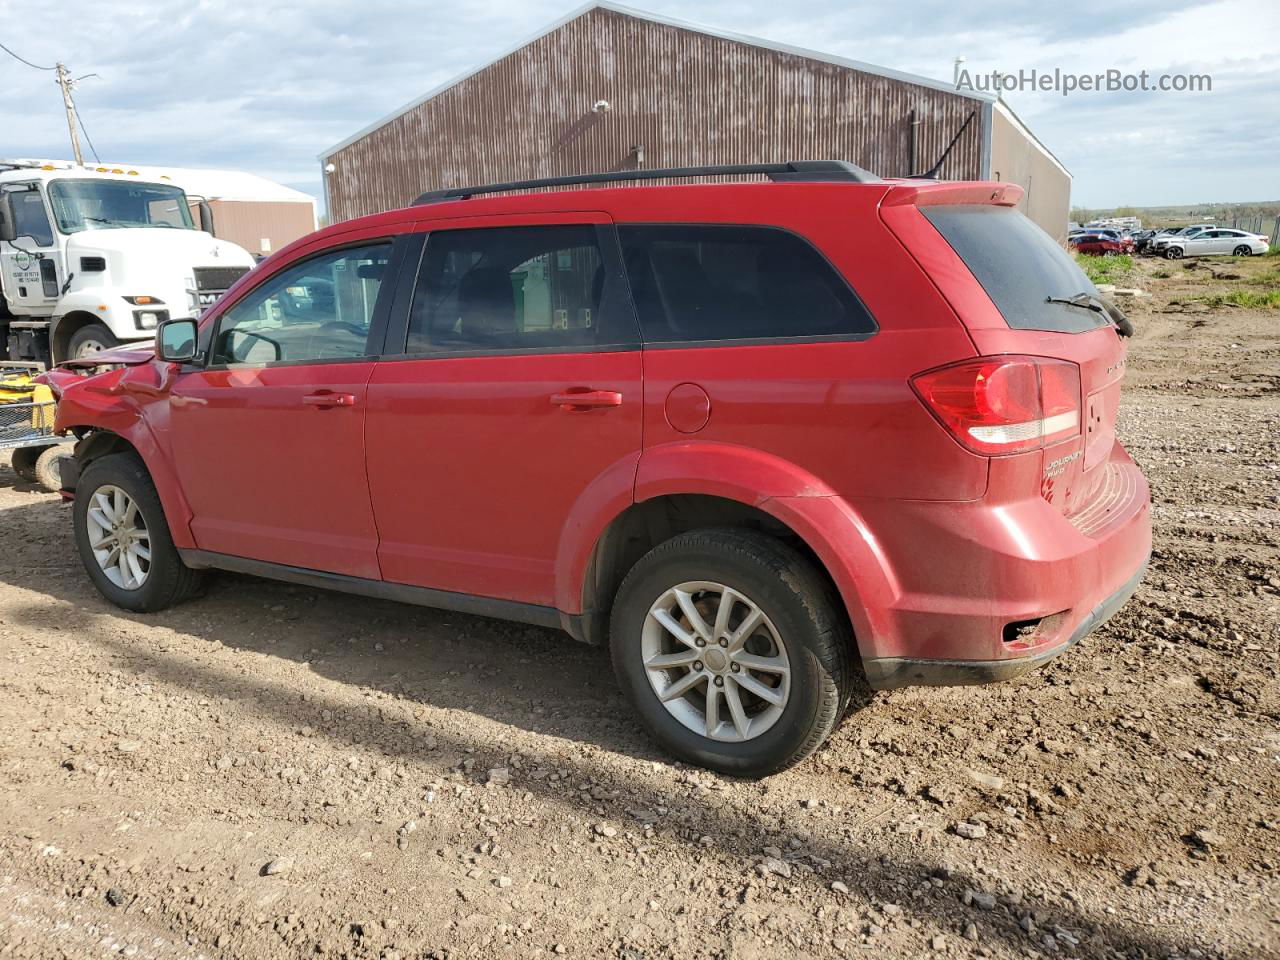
[(265, 87)]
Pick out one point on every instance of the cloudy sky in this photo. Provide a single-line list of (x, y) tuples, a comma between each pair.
[(266, 86)]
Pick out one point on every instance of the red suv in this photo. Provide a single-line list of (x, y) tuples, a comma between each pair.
[(767, 440)]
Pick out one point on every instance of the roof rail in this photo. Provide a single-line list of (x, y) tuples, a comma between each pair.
[(798, 171)]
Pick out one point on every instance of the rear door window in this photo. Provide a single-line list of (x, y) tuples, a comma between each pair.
[(1019, 265), (712, 283)]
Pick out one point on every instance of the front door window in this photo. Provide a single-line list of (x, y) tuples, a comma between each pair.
[(320, 309)]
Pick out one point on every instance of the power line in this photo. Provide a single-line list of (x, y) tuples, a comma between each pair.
[(92, 148), (34, 66)]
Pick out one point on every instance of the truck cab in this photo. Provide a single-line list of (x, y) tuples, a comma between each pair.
[(92, 257)]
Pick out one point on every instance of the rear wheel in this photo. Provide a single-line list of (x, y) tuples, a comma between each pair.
[(731, 647), (123, 537), (89, 340), (1243, 251)]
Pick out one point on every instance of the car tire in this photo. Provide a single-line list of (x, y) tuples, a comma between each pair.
[(1108, 253), (48, 472), (122, 480), (1173, 253), (23, 461), (1243, 251), (801, 624), (89, 340)]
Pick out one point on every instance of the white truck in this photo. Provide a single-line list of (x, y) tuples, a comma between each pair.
[(94, 257)]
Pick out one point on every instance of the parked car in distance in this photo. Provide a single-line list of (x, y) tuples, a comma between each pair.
[(1103, 245), (770, 442), (1182, 233), (1217, 242)]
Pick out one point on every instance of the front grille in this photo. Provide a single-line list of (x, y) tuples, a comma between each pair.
[(218, 278)]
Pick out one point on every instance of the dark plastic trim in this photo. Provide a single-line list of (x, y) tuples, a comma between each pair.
[(796, 171), (379, 589), (890, 673)]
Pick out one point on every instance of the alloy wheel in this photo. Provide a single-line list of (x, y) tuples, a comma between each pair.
[(119, 538), (716, 661)]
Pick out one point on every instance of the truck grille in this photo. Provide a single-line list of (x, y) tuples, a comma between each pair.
[(218, 278)]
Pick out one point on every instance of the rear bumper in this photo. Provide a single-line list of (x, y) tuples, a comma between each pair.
[(888, 673), (968, 592)]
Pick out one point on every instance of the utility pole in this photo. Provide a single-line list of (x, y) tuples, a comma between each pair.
[(64, 81)]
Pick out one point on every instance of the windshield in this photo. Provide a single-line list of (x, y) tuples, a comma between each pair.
[(111, 204), (1024, 271)]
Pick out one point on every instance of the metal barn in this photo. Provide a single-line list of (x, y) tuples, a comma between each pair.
[(611, 88)]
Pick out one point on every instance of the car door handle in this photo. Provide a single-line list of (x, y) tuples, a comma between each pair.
[(586, 399), (329, 399)]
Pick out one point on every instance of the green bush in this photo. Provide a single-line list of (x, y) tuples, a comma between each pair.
[(1104, 269)]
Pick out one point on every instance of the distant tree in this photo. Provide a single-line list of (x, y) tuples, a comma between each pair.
[(1081, 215), (1126, 212)]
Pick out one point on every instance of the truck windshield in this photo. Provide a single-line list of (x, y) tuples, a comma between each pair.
[(112, 204)]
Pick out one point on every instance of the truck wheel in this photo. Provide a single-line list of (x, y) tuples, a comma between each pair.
[(732, 649), (48, 474), (123, 537), (24, 462), (89, 340)]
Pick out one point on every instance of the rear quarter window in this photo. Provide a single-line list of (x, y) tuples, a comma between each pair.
[(1019, 266), (708, 283)]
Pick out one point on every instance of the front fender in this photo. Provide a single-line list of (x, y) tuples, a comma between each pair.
[(125, 402), (118, 315)]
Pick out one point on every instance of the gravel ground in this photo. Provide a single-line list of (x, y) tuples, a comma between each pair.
[(274, 771)]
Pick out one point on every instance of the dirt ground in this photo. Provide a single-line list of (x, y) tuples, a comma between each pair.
[(277, 772)]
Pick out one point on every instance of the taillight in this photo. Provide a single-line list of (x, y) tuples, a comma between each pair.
[(1002, 405)]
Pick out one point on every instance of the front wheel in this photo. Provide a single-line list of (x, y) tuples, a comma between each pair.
[(733, 650), (123, 537), (1173, 253), (1243, 251), (89, 340)]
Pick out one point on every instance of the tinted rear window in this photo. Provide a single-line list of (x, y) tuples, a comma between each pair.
[(715, 283), (1019, 265)]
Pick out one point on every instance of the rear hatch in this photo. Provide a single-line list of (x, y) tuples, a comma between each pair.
[(1021, 304)]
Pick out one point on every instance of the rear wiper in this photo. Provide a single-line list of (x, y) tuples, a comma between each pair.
[(1089, 301), (1084, 300)]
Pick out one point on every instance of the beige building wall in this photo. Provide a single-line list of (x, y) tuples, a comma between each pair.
[(1018, 157), (250, 222)]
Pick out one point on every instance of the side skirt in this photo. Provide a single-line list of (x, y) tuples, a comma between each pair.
[(380, 589)]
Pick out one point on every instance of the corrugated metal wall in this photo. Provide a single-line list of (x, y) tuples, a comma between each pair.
[(686, 97)]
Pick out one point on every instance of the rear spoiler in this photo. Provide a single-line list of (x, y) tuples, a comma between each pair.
[(928, 193)]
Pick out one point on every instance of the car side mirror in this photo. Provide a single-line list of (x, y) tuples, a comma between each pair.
[(176, 340), (8, 224)]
